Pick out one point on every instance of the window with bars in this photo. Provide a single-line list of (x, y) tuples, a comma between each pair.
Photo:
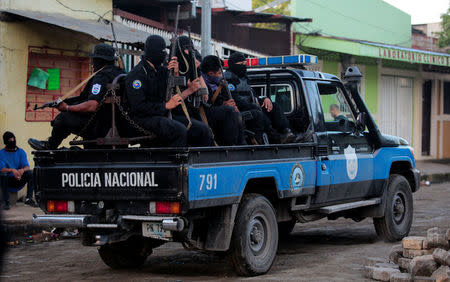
[(73, 68)]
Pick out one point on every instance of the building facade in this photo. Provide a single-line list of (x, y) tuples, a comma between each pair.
[(406, 89)]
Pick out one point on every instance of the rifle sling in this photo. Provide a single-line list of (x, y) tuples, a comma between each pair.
[(216, 94), (73, 90), (185, 110), (205, 120)]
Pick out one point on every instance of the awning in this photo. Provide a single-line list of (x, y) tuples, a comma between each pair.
[(97, 29), (254, 17), (374, 50)]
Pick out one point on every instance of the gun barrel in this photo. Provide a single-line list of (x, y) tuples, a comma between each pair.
[(225, 83)]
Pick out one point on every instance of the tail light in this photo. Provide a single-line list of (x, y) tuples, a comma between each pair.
[(165, 207), (57, 206)]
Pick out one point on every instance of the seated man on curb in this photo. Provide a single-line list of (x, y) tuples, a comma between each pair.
[(14, 163)]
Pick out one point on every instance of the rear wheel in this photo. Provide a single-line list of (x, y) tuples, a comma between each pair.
[(255, 236), (398, 213), (127, 254)]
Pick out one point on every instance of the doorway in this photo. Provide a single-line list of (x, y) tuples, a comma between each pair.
[(426, 117), (396, 106)]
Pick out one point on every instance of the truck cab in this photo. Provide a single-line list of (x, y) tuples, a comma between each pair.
[(238, 199)]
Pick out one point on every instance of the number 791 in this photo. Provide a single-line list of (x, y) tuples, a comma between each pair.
[(208, 181)]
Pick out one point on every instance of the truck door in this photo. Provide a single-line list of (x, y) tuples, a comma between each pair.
[(350, 158), (323, 176)]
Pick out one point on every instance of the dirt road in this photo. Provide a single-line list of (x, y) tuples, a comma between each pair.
[(319, 251)]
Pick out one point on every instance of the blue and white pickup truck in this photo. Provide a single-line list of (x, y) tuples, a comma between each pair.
[(238, 199)]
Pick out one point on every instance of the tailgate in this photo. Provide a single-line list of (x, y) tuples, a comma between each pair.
[(104, 177)]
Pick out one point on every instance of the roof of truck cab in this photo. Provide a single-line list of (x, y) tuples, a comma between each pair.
[(301, 72)]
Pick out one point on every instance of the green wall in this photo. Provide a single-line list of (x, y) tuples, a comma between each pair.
[(372, 20), (330, 67), (370, 78), (371, 95)]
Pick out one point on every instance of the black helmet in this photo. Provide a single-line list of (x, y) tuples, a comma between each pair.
[(103, 51)]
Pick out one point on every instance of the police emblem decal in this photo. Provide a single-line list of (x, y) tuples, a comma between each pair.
[(231, 87), (297, 176), (137, 84), (96, 89), (352, 162)]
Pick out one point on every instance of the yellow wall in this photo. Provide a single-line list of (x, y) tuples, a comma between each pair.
[(15, 39), (101, 7)]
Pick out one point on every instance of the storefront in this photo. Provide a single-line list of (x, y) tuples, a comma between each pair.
[(407, 90)]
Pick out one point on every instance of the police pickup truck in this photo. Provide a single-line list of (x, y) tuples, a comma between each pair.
[(240, 199)]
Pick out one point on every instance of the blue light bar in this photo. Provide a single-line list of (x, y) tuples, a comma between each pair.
[(275, 60), (291, 60), (302, 59)]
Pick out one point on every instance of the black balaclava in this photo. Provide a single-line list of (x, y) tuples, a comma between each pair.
[(98, 63), (9, 144), (154, 50), (184, 61), (237, 69)]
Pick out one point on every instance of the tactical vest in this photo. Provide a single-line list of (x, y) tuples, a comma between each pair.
[(240, 86)]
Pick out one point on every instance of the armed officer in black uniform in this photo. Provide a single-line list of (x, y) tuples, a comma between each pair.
[(268, 116), (190, 70), (77, 111), (146, 86), (223, 115)]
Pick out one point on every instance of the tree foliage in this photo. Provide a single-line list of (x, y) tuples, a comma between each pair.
[(282, 9), (444, 36)]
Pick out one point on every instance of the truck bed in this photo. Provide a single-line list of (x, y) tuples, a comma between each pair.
[(144, 174)]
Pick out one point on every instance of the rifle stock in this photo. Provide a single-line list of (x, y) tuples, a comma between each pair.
[(172, 80)]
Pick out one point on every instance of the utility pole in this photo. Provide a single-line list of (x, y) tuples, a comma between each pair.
[(206, 28)]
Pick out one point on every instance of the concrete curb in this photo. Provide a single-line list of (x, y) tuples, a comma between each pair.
[(436, 178)]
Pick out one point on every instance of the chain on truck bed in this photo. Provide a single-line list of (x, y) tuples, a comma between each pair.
[(112, 93)]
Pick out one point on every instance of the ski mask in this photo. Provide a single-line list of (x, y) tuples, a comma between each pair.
[(155, 49), (184, 61), (10, 144), (237, 69), (99, 63)]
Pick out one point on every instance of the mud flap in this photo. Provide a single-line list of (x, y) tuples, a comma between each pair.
[(378, 210), (220, 229)]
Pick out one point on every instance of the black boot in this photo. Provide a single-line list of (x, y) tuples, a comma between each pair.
[(287, 136), (30, 202), (40, 145)]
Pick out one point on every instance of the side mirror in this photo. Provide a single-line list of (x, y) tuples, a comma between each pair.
[(361, 122)]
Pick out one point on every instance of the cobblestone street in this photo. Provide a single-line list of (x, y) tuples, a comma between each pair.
[(319, 251)]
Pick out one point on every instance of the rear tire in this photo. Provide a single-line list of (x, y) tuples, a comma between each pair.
[(127, 254), (255, 236), (398, 213)]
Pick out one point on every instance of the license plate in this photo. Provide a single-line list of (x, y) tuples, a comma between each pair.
[(155, 230)]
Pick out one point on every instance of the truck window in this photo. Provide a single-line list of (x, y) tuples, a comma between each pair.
[(314, 101), (336, 109), (282, 94)]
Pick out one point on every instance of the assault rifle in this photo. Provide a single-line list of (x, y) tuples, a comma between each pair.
[(172, 80), (197, 96), (224, 81), (52, 104)]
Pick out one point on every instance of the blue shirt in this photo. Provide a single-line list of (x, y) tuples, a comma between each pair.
[(15, 160)]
